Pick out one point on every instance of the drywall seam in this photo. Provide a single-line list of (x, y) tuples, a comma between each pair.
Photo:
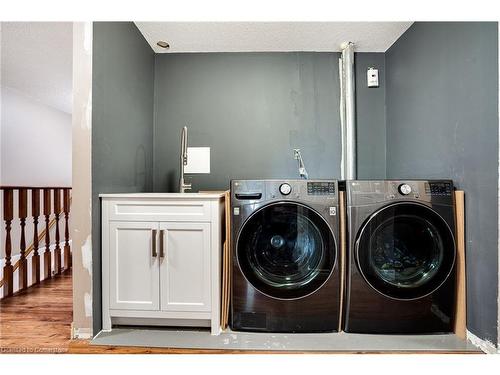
[(88, 304), (485, 345), (87, 254)]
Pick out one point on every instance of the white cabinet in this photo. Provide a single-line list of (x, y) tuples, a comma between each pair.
[(161, 259), (185, 267), (134, 277)]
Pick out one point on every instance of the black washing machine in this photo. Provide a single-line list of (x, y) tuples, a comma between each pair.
[(285, 273), (401, 257)]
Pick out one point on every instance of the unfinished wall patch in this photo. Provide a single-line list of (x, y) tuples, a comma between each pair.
[(485, 345), (87, 255), (88, 304)]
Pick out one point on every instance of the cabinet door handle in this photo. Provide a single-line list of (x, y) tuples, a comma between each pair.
[(153, 244), (162, 244)]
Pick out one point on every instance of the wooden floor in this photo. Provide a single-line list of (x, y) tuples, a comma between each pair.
[(84, 347), (39, 321)]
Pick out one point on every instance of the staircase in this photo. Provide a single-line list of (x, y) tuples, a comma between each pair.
[(42, 259)]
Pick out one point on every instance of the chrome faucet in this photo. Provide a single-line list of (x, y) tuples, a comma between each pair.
[(183, 186), (302, 168)]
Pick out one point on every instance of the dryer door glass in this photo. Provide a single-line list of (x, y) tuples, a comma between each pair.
[(405, 251), (286, 250)]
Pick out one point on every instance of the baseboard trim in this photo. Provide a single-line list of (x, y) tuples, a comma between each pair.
[(485, 345), (80, 333)]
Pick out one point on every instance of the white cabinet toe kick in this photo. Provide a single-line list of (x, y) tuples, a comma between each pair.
[(161, 260)]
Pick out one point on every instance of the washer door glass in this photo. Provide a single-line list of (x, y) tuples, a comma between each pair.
[(405, 251), (286, 250)]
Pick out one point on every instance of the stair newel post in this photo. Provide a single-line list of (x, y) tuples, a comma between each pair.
[(8, 215), (57, 213), (23, 262), (47, 258), (35, 259), (66, 209)]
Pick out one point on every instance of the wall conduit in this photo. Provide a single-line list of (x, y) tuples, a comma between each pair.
[(347, 112)]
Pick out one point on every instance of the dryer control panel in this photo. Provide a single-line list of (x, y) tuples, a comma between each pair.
[(442, 188), (321, 188), (246, 195)]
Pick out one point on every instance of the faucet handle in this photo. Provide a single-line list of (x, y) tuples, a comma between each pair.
[(187, 183)]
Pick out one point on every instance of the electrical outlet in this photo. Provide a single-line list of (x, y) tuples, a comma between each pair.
[(372, 77)]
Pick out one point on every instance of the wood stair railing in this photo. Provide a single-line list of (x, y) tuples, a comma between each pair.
[(7, 283), (30, 249)]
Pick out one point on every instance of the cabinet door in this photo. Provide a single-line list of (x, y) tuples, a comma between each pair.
[(185, 266), (134, 270)]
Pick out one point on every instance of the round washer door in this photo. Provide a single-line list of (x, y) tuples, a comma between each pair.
[(405, 251), (286, 250)]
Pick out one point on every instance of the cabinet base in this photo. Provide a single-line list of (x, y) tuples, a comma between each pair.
[(170, 323)]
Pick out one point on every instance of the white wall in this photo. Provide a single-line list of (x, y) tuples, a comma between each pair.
[(35, 151), (1, 197), (81, 208), (35, 106), (35, 142)]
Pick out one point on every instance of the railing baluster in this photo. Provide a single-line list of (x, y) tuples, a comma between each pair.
[(8, 215), (47, 259), (67, 249), (23, 262), (59, 208), (57, 212), (35, 259)]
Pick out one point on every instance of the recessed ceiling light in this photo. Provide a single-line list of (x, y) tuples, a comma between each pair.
[(163, 44)]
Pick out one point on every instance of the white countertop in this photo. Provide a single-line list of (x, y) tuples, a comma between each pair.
[(201, 195)]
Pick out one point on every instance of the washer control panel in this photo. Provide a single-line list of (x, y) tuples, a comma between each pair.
[(321, 188)]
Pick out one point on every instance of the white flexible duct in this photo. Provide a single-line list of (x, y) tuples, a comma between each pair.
[(347, 112)]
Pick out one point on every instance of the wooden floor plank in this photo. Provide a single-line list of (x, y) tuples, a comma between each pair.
[(84, 347), (38, 320)]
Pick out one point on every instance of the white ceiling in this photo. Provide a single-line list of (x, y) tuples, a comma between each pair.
[(36, 60), (36, 57), (271, 36)]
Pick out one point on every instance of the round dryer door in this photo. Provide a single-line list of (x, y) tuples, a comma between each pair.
[(286, 250), (405, 251)]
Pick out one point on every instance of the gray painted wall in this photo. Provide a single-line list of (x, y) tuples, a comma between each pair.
[(122, 124), (252, 109), (442, 121), (370, 118)]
